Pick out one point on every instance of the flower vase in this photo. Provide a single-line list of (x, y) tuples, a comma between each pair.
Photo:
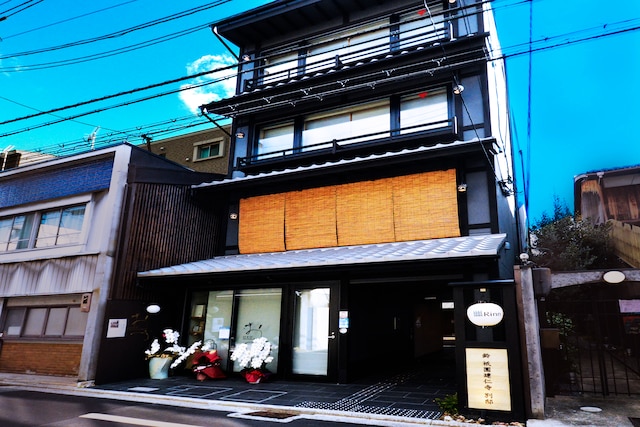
[(159, 367), (253, 376)]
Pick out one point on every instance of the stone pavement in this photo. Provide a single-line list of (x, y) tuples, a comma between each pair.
[(408, 402)]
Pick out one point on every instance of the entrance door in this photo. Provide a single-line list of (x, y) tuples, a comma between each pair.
[(314, 333)]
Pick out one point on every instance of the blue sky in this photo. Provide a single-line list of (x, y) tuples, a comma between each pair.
[(581, 105)]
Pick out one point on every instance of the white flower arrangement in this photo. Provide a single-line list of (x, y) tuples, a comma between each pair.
[(173, 349), (255, 355)]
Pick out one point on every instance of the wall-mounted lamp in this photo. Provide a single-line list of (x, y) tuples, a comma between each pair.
[(458, 89), (153, 308), (239, 135), (246, 58), (613, 277), (462, 188), (452, 1), (524, 257), (233, 215)]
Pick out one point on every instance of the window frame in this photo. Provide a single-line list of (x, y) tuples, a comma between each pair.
[(23, 311), (34, 235), (394, 126), (197, 147)]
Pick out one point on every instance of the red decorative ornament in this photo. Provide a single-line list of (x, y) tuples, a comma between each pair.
[(422, 12), (423, 94)]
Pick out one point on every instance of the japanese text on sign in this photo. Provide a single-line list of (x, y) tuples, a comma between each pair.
[(488, 379)]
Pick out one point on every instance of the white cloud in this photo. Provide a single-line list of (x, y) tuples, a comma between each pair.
[(197, 96)]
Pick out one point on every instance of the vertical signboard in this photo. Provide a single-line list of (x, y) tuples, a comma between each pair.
[(488, 379)]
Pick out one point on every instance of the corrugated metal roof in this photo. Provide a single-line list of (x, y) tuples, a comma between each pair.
[(454, 247)]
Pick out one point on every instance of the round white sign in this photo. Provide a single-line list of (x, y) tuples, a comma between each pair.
[(485, 314)]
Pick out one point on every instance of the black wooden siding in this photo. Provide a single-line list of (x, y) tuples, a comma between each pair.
[(161, 226)]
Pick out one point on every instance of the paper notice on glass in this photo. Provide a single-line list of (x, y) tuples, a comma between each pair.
[(224, 333)]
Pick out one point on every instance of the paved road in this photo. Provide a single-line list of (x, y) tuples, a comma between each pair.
[(20, 408)]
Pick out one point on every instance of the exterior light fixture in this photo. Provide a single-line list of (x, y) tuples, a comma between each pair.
[(153, 308), (485, 314), (613, 277), (239, 135), (462, 188), (458, 89), (246, 58), (452, 1)]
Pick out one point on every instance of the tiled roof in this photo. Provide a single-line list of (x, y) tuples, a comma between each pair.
[(345, 162), (454, 247)]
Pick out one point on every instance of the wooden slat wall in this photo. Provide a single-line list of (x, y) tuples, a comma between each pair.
[(413, 207), (163, 226), (262, 224)]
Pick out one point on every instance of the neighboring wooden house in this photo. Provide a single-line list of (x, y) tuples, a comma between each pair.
[(613, 195), (370, 198), (73, 233)]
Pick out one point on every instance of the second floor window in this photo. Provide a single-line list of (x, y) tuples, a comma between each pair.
[(418, 112), (61, 226)]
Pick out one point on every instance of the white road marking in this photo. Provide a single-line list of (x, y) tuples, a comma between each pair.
[(132, 421)]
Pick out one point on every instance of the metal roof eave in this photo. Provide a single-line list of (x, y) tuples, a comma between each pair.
[(453, 248), (387, 159)]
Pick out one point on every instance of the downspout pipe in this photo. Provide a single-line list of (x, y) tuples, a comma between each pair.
[(214, 29)]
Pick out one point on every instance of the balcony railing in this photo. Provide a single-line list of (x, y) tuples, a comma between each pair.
[(419, 132), (390, 44)]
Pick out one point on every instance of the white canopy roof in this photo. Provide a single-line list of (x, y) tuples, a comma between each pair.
[(455, 247)]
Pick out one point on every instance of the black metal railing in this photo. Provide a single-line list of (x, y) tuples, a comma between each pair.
[(447, 126), (391, 44)]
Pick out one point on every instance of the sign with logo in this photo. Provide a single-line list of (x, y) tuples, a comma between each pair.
[(485, 314), (488, 379)]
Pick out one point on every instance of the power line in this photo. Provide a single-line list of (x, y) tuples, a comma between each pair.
[(232, 66), (66, 20), (119, 33)]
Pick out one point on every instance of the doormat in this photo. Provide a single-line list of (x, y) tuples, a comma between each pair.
[(635, 421)]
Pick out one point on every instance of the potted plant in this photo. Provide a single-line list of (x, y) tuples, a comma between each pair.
[(161, 360), (253, 359)]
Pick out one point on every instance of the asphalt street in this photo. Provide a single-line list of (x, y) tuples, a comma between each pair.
[(20, 408)]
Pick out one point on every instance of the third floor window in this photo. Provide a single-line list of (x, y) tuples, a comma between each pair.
[(356, 44)]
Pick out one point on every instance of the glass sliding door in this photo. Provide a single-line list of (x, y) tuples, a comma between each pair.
[(258, 312), (311, 334)]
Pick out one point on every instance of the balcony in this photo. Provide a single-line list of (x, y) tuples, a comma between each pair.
[(443, 131), (347, 50)]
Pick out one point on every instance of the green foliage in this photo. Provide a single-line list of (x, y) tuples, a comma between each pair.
[(563, 242), (448, 404), (562, 322)]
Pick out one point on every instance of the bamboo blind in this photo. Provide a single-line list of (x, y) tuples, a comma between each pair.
[(310, 218), (261, 227), (364, 211), (412, 207), (425, 206)]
